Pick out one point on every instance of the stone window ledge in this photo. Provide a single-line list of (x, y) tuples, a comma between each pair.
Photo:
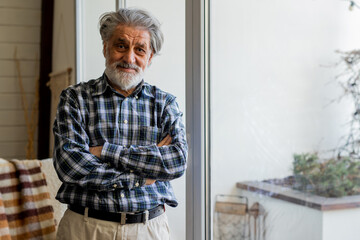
[(304, 199)]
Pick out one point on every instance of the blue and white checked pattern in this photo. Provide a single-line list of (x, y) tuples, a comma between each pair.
[(94, 114)]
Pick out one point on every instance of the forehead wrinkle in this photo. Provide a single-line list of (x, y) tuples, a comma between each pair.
[(140, 43), (122, 40), (133, 34)]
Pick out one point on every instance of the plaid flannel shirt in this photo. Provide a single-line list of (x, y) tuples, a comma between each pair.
[(94, 114)]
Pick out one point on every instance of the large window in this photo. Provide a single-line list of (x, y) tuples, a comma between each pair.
[(281, 132)]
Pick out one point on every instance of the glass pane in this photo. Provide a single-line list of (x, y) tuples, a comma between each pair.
[(167, 71), (90, 59), (284, 87)]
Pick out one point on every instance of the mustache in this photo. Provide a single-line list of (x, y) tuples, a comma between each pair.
[(127, 65)]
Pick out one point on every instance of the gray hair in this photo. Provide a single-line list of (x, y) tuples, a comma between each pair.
[(132, 17)]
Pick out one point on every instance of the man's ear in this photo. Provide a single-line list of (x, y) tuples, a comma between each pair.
[(104, 49)]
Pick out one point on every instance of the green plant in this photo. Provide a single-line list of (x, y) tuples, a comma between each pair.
[(338, 176), (331, 178)]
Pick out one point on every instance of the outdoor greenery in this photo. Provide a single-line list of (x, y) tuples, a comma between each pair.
[(338, 176), (331, 178)]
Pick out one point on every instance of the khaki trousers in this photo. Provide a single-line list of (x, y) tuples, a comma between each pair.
[(74, 226)]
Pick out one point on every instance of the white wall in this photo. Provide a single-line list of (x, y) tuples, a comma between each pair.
[(341, 224), (270, 87), (288, 221), (20, 22)]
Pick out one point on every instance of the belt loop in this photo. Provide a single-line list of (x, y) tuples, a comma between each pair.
[(86, 214), (146, 217), (123, 218)]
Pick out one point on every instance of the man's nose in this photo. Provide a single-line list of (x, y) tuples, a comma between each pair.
[(129, 56)]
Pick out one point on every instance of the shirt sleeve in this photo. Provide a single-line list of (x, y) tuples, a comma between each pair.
[(161, 163), (73, 162)]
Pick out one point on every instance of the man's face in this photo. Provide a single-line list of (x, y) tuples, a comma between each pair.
[(127, 54)]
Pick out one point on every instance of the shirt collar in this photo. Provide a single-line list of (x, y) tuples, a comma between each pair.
[(100, 86)]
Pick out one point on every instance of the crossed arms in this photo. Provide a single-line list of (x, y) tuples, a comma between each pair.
[(165, 142), (101, 168)]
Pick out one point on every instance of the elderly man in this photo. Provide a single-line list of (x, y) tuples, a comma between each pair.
[(119, 140)]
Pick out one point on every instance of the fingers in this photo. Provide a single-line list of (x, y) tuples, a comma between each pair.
[(150, 181), (166, 141), (96, 150), (92, 150), (162, 142)]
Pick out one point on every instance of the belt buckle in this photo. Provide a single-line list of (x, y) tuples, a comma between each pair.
[(123, 218), (145, 216)]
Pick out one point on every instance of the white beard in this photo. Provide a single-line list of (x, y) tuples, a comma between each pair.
[(123, 80)]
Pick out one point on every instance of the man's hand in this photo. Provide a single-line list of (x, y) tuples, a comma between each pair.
[(149, 181), (166, 141), (96, 151)]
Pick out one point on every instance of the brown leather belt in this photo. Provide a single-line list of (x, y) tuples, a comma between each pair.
[(122, 218)]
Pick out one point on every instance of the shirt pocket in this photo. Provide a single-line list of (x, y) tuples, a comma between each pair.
[(147, 135)]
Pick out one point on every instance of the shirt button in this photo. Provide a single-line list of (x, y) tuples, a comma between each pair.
[(136, 184), (115, 185), (122, 195), (125, 121)]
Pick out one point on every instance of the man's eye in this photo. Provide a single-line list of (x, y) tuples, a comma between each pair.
[(141, 50), (121, 46)]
